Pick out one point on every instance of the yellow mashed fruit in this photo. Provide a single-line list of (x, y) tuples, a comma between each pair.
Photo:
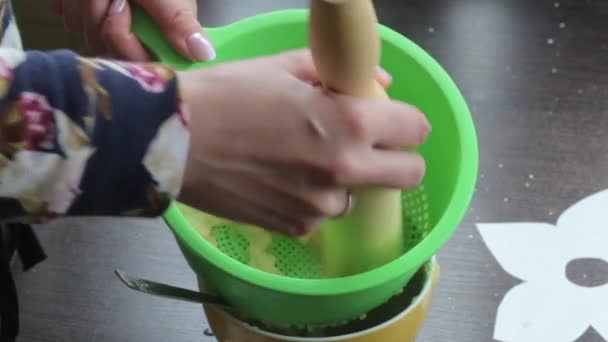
[(202, 222), (259, 244), (259, 239)]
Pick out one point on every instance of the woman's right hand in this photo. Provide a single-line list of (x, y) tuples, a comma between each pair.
[(268, 148)]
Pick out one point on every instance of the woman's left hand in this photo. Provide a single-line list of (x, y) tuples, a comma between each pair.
[(107, 26)]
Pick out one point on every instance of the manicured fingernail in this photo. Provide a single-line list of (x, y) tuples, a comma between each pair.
[(118, 6), (384, 74), (200, 47)]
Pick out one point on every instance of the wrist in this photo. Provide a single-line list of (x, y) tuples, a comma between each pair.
[(191, 91), (184, 86)]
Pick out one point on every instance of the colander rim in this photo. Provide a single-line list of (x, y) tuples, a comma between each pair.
[(449, 220)]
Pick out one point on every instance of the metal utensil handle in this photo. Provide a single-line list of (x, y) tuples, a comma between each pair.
[(168, 291)]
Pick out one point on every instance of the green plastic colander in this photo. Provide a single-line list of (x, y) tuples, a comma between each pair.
[(431, 212)]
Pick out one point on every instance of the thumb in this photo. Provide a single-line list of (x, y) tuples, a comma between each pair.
[(178, 22), (117, 35)]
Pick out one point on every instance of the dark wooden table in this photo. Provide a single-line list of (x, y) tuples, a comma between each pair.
[(536, 78)]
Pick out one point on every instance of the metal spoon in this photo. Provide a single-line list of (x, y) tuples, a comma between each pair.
[(168, 291)]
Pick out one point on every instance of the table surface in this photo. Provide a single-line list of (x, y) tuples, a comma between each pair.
[(535, 76)]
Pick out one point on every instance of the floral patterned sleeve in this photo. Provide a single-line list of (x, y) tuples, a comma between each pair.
[(87, 136)]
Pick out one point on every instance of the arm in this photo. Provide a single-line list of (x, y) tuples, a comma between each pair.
[(87, 136)]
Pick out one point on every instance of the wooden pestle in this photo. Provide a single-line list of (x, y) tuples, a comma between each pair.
[(345, 45)]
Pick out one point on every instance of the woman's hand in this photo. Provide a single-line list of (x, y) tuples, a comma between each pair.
[(107, 26), (270, 149)]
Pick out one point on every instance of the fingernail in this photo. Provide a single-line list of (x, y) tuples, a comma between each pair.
[(118, 6), (426, 130), (200, 47), (384, 74)]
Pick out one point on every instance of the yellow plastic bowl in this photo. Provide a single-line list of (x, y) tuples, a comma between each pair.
[(403, 327)]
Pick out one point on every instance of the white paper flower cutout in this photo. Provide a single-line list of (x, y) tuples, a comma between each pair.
[(547, 307)]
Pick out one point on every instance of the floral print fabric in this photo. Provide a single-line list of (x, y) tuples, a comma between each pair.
[(86, 136), (80, 137)]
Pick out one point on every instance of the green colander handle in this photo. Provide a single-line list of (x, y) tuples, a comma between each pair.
[(153, 39), (168, 291), (150, 34)]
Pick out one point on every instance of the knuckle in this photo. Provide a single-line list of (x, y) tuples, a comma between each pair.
[(322, 203), (341, 169), (181, 15), (353, 121)]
